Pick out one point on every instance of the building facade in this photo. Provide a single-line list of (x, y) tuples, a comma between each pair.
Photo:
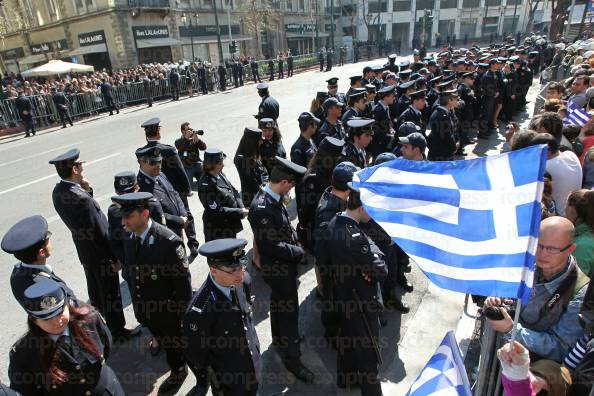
[(120, 33)]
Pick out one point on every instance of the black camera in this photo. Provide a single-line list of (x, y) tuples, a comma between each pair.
[(494, 313), (199, 132)]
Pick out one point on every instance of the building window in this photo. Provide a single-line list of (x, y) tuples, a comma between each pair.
[(470, 3), (83, 6), (468, 27), (513, 2), (493, 3), (425, 4), (378, 6), (401, 6), (448, 4), (301, 5), (52, 10), (207, 3)]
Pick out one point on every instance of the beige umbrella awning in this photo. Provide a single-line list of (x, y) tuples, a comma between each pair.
[(89, 49), (56, 67), (157, 42)]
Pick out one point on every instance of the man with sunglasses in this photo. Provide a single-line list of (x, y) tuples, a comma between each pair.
[(29, 241), (549, 324), (218, 324), (280, 256), (74, 202)]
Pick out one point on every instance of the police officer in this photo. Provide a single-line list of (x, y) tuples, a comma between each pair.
[(489, 93), (414, 112), (331, 127), (173, 168), (405, 89), (174, 82), (290, 66), (159, 281), (304, 148), (106, 91), (73, 200), (25, 111), (391, 65), (281, 254), (272, 143), (124, 183), (321, 59), (357, 267), (355, 83), (65, 349), (219, 327), (357, 102), (329, 59), (370, 94), (255, 71), (442, 140), (360, 135), (223, 208), (29, 241), (147, 85), (383, 128), (333, 90), (252, 173), (332, 202), (201, 73), (151, 180), (269, 107), (468, 114), (62, 104)]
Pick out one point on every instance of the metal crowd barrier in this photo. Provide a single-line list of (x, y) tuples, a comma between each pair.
[(488, 378)]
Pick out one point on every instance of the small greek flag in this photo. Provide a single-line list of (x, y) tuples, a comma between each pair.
[(444, 373), (471, 226), (576, 115)]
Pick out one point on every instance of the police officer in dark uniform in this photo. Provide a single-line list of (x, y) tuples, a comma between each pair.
[(65, 349), (106, 91), (147, 85), (62, 104), (175, 172), (281, 254), (357, 104), (252, 173), (159, 281), (73, 200), (332, 202), (489, 92), (321, 60), (360, 135), (219, 327), (152, 180), (272, 144), (222, 72), (331, 127), (25, 111), (433, 93), (355, 84), (174, 83), (201, 73), (357, 268), (333, 90), (304, 148), (223, 208), (442, 141), (269, 107), (414, 112), (29, 242), (376, 80), (468, 114), (124, 183), (382, 128), (525, 76), (405, 89), (391, 65)]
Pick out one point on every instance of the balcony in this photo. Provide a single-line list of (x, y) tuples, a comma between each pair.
[(159, 4)]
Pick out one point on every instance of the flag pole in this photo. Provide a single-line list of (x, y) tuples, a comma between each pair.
[(515, 325)]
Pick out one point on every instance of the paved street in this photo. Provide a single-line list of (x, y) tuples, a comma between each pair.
[(108, 144)]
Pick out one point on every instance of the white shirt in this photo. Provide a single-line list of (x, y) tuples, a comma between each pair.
[(145, 232), (566, 171), (42, 267)]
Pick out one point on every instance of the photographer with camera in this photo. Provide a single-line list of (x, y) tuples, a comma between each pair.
[(549, 325), (189, 147)]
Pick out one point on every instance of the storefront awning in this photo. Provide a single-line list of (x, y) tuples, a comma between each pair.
[(306, 35), (27, 60), (89, 49), (213, 39), (157, 42)]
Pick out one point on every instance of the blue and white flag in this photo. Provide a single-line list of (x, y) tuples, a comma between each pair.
[(444, 374), (576, 115), (471, 226)]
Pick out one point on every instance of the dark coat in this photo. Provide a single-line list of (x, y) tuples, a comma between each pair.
[(87, 224), (251, 177), (269, 108), (171, 203), (84, 369), (22, 277), (172, 167), (302, 151), (24, 107), (442, 139)]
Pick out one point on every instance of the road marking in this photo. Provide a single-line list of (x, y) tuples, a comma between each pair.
[(54, 175), (35, 155)]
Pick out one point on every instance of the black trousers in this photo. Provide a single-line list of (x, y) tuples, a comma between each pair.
[(284, 307), (175, 91), (290, 71), (64, 116), (29, 124), (191, 227), (111, 105), (487, 114), (164, 326), (103, 287), (203, 88), (256, 75), (149, 97)]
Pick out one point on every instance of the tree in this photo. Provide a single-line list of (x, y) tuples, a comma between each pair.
[(257, 16), (558, 17), (532, 6), (15, 17)]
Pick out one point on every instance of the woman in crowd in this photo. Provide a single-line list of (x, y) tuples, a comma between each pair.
[(580, 210), (248, 161), (272, 144), (223, 208), (65, 349)]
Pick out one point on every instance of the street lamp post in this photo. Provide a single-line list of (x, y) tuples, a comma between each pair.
[(219, 44), (184, 20), (332, 23)]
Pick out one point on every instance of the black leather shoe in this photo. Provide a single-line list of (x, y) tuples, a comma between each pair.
[(172, 384), (125, 334), (299, 371), (404, 284)]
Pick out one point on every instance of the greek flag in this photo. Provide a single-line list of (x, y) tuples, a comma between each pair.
[(576, 115), (444, 374), (471, 226)]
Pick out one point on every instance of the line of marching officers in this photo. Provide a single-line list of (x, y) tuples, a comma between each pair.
[(360, 271)]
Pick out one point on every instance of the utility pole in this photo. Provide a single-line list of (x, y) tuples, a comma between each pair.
[(514, 20), (219, 44), (332, 23), (317, 28)]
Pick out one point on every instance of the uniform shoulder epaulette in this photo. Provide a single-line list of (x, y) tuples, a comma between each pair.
[(203, 297)]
